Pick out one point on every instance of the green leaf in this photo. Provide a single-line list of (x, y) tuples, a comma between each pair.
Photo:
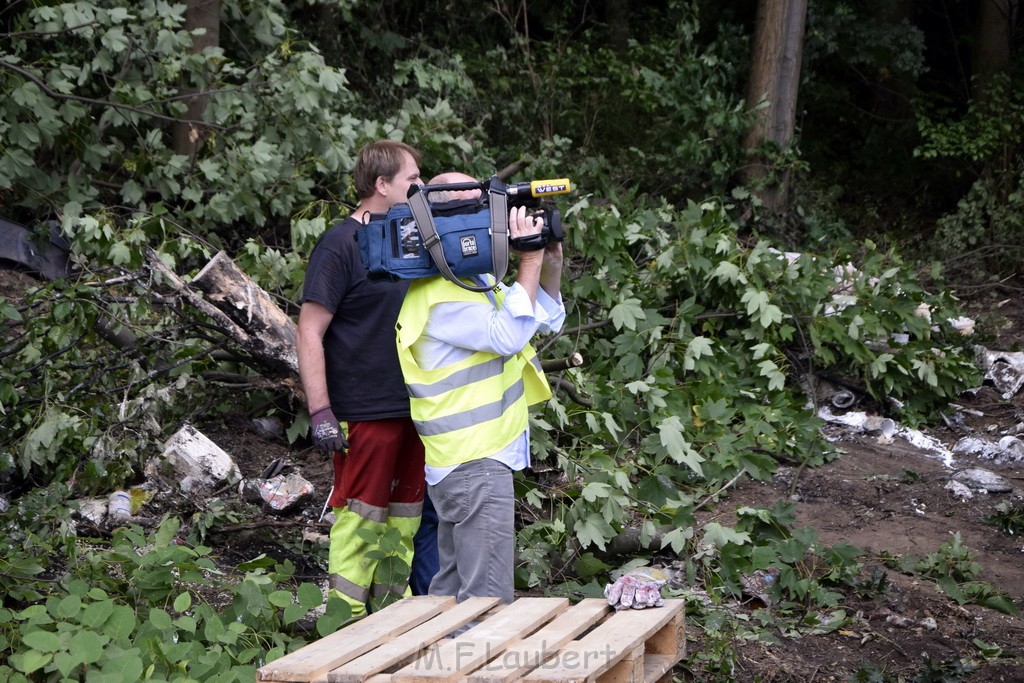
[(626, 313), (280, 598), (728, 272), (88, 646), (293, 613), (66, 662), (10, 312), (121, 623), (68, 607), (159, 618), (310, 595), (670, 432), (593, 530), (720, 536), (338, 612), (44, 641), (677, 539), (183, 602), (96, 613), (30, 661)]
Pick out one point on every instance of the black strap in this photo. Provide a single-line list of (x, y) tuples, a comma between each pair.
[(420, 208)]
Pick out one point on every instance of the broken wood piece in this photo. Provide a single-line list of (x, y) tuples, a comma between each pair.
[(234, 293)]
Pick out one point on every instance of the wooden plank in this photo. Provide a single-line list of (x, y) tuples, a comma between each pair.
[(454, 658), (658, 668), (629, 669), (612, 641), (317, 658), (411, 642), (534, 650), (671, 639)]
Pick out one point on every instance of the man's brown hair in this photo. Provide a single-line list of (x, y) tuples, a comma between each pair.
[(381, 158)]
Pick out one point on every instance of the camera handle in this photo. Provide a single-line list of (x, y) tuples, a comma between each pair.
[(498, 201)]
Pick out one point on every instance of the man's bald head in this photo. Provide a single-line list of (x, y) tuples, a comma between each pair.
[(448, 195)]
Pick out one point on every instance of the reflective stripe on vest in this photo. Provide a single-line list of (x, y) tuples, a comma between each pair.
[(475, 407)]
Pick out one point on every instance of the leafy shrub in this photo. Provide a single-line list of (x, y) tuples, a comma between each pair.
[(141, 605), (696, 345)]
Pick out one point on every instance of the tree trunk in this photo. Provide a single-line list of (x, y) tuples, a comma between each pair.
[(993, 41), (774, 84), (269, 329), (199, 14), (242, 310)]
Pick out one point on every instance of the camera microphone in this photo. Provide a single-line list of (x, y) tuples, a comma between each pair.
[(539, 188)]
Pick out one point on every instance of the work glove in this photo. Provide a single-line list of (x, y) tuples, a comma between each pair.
[(638, 588), (327, 435)]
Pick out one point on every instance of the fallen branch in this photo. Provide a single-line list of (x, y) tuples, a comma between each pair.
[(557, 364)]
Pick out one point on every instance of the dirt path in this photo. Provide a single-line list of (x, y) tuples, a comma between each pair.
[(888, 499)]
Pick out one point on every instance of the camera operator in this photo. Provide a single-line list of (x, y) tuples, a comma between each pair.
[(471, 374)]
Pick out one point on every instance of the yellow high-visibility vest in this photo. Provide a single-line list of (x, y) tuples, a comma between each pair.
[(473, 408)]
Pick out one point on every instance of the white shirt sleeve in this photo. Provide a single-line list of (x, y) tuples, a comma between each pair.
[(456, 330)]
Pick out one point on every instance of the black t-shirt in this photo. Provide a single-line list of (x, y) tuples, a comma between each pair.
[(364, 380)]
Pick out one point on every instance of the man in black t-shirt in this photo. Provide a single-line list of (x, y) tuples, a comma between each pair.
[(349, 368)]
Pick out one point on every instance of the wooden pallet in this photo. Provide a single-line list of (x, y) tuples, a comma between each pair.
[(533, 639)]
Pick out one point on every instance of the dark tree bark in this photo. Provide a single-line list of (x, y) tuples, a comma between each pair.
[(199, 14), (993, 41), (774, 79)]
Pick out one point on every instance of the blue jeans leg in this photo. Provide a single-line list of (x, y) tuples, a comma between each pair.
[(425, 561)]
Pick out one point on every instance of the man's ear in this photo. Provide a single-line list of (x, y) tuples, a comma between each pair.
[(381, 185)]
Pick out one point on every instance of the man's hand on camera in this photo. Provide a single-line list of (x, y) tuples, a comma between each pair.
[(522, 224), (327, 435)]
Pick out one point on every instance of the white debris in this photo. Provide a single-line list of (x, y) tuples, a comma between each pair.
[(93, 509), (197, 462), (961, 491), (921, 440), (280, 493), (887, 429), (983, 480), (963, 325), (119, 505), (1004, 369), (1008, 449)]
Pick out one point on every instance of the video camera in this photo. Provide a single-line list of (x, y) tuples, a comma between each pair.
[(457, 237)]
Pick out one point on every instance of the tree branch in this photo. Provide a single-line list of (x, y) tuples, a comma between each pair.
[(101, 103)]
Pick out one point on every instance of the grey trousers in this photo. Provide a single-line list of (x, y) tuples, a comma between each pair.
[(475, 531)]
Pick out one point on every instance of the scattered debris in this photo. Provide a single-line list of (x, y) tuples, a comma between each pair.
[(198, 463), (1004, 369), (280, 493), (119, 505), (757, 586), (269, 427), (961, 491), (983, 480), (843, 399), (1009, 449), (93, 509)]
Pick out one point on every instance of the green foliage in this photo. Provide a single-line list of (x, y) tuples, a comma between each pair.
[(1008, 517), (982, 143), (143, 605), (953, 569), (667, 305), (72, 406)]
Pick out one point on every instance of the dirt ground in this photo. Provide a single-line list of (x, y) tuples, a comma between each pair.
[(884, 496)]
